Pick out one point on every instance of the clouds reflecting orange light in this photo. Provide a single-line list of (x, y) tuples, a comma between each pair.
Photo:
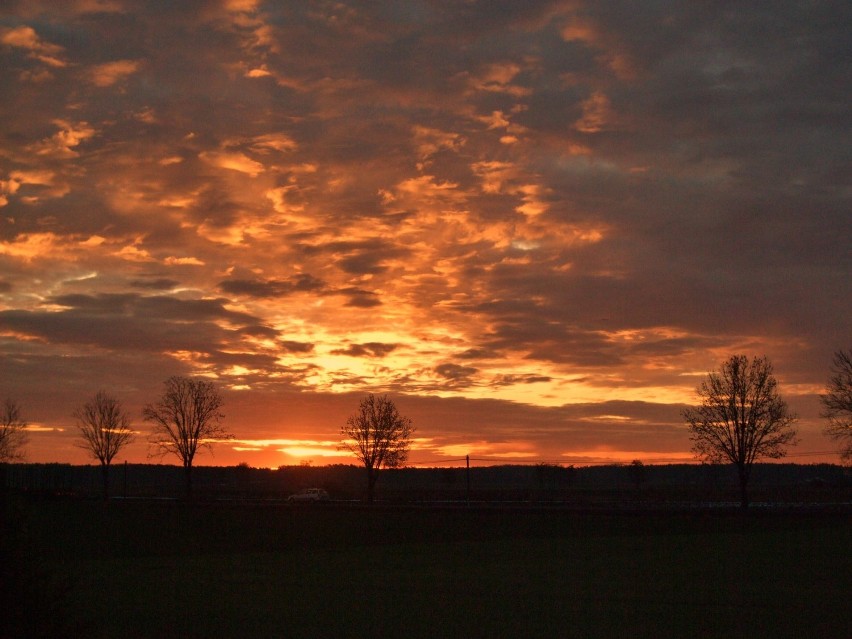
[(536, 225)]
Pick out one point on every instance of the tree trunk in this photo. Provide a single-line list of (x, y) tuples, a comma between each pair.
[(187, 475), (105, 476), (743, 473), (372, 476)]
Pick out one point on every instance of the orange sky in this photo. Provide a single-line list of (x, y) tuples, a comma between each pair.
[(535, 225)]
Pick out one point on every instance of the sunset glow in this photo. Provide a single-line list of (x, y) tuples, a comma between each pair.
[(536, 225)]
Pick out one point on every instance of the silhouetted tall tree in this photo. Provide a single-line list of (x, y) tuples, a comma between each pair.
[(186, 418), (12, 432), (636, 469), (837, 403), (378, 436), (105, 429), (741, 417)]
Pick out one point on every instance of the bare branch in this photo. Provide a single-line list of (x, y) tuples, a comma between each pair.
[(13, 435), (104, 427), (186, 418), (378, 435), (837, 403), (741, 417), (104, 430)]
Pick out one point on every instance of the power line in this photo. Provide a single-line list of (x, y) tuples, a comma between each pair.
[(813, 453), (588, 462), (436, 461)]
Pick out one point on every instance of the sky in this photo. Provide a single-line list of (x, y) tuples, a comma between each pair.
[(535, 225)]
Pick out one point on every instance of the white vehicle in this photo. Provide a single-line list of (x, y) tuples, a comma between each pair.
[(309, 494)]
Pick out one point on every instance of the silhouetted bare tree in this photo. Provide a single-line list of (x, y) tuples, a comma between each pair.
[(741, 417), (837, 403), (378, 436), (105, 429), (636, 469), (13, 436), (186, 418)]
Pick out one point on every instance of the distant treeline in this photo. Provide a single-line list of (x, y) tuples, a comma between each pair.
[(534, 483)]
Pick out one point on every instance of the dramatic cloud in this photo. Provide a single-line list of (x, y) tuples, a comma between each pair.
[(372, 349), (535, 224)]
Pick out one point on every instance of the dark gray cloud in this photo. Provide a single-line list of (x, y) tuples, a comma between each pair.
[(296, 347), (272, 288), (508, 380), (370, 349), (359, 298), (152, 307), (155, 284), (258, 330), (456, 372), (113, 331), (132, 323)]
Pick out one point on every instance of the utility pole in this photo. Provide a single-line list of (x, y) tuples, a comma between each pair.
[(467, 477)]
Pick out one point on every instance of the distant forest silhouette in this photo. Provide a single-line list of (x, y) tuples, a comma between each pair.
[(535, 483)]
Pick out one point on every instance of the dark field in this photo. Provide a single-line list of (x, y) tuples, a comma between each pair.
[(171, 569)]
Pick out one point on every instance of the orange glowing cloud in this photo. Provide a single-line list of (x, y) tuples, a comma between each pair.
[(597, 114), (108, 73), (25, 37), (62, 144), (234, 161)]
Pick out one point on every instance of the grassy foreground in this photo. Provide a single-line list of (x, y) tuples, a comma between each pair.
[(178, 570)]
